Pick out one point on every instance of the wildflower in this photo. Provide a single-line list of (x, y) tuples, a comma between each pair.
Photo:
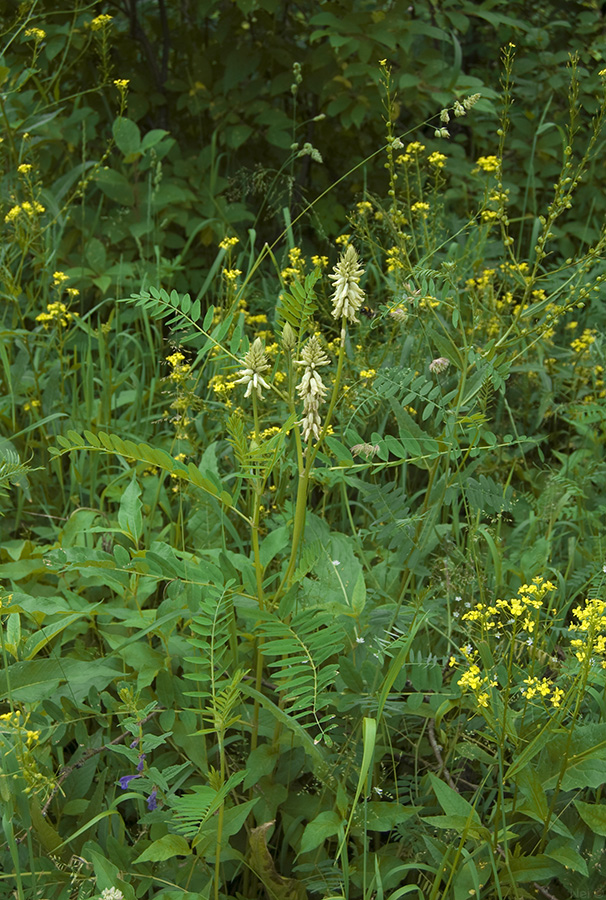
[(56, 313), (363, 207), (487, 164), (125, 780), (309, 150), (359, 640), (37, 33), (320, 262), (452, 661), (470, 101), (152, 802), (336, 562), (59, 278), (444, 116), (255, 363), (368, 373), (228, 242), (441, 133), (112, 894), (459, 109), (100, 22), (121, 83), (367, 450), (311, 389), (348, 295), (231, 274), (439, 365), (421, 208), (24, 168), (437, 160), (141, 762)]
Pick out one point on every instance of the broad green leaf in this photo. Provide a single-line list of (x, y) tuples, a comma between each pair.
[(166, 847), (594, 815), (325, 825), (452, 802), (126, 135)]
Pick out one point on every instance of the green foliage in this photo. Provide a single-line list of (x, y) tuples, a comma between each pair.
[(297, 605)]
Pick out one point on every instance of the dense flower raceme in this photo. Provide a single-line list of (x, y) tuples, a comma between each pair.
[(311, 388), (348, 295), (255, 363)]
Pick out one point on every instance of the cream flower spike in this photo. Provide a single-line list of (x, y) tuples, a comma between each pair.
[(348, 295), (311, 388), (256, 363)]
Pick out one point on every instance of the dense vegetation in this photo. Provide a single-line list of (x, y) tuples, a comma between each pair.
[(302, 450)]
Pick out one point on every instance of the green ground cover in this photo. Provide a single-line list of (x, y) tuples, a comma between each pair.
[(302, 430)]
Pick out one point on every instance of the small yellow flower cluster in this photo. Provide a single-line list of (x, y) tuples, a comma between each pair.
[(269, 432), (420, 208), (229, 242), (37, 33), (368, 373), (543, 688), (29, 209), (584, 342), (364, 207), (24, 168), (100, 22), (260, 319), (30, 405), (591, 620), (121, 83), (222, 385), (180, 371), (487, 164), (413, 150), (489, 216), (483, 280), (343, 239), (473, 679), (320, 262), (231, 275), (437, 160), (56, 313), (520, 611), (296, 268), (428, 302), (395, 259), (59, 278)]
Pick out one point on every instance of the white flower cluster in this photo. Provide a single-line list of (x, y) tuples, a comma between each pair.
[(255, 363), (348, 295), (311, 388)]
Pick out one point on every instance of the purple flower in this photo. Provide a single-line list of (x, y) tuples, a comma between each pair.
[(134, 743), (151, 800), (141, 763), (125, 781)]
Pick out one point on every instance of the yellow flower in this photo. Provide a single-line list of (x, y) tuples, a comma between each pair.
[(59, 278), (24, 168), (121, 83), (37, 33), (487, 164), (100, 22), (437, 160), (228, 242)]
